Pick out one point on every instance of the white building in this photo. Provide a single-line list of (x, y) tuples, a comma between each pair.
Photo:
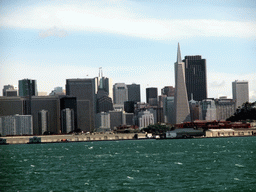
[(145, 118), (16, 125), (102, 121), (208, 110), (120, 93), (240, 90), (67, 120), (43, 121)]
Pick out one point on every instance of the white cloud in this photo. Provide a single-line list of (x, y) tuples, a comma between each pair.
[(120, 18), (53, 32)]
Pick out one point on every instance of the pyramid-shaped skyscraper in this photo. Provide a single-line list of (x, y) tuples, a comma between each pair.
[(182, 113)]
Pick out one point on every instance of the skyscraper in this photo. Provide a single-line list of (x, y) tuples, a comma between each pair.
[(105, 84), (134, 92), (85, 92), (182, 113), (240, 91), (120, 93), (195, 76), (27, 87), (151, 95)]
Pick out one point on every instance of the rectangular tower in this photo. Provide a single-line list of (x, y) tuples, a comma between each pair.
[(195, 75), (120, 93), (182, 113), (85, 92), (134, 92), (240, 91)]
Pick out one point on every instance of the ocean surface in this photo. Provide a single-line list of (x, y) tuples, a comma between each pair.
[(212, 164)]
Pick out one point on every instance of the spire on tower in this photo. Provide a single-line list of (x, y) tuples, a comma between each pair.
[(178, 54)]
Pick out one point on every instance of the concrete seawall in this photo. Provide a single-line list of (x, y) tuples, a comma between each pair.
[(74, 138)]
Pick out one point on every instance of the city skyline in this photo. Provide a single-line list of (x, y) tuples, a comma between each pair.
[(133, 41)]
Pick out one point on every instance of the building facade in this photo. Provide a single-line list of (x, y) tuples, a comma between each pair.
[(85, 91), (43, 121), (151, 96), (182, 112), (240, 90), (16, 125), (67, 120), (27, 87), (120, 93), (195, 75), (134, 92)]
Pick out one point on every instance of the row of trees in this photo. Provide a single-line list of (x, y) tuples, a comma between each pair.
[(246, 112)]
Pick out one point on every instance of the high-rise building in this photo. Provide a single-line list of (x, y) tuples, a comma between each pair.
[(169, 110), (27, 87), (151, 96), (85, 92), (43, 121), (120, 93), (67, 120), (240, 90), (134, 92), (105, 84), (182, 112), (68, 102), (195, 76)]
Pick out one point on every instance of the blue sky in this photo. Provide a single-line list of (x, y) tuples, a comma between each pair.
[(133, 41)]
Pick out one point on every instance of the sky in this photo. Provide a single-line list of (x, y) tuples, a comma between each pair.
[(133, 41)]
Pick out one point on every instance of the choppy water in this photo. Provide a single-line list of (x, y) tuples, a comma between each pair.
[(219, 164)]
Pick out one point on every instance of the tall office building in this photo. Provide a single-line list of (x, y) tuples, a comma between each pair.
[(43, 121), (68, 102), (182, 112), (67, 120), (120, 93), (85, 92), (240, 91), (195, 75), (27, 87), (151, 95), (134, 92), (105, 84)]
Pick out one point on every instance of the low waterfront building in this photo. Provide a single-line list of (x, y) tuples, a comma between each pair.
[(16, 125)]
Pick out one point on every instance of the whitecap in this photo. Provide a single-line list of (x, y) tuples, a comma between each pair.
[(32, 165), (67, 149), (129, 177), (90, 148), (136, 170), (239, 165), (86, 183), (178, 163), (236, 179)]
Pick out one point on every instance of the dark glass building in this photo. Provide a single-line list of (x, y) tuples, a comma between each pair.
[(85, 92), (195, 75), (134, 92), (151, 95), (27, 87)]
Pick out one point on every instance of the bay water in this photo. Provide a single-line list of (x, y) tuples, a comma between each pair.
[(212, 164)]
